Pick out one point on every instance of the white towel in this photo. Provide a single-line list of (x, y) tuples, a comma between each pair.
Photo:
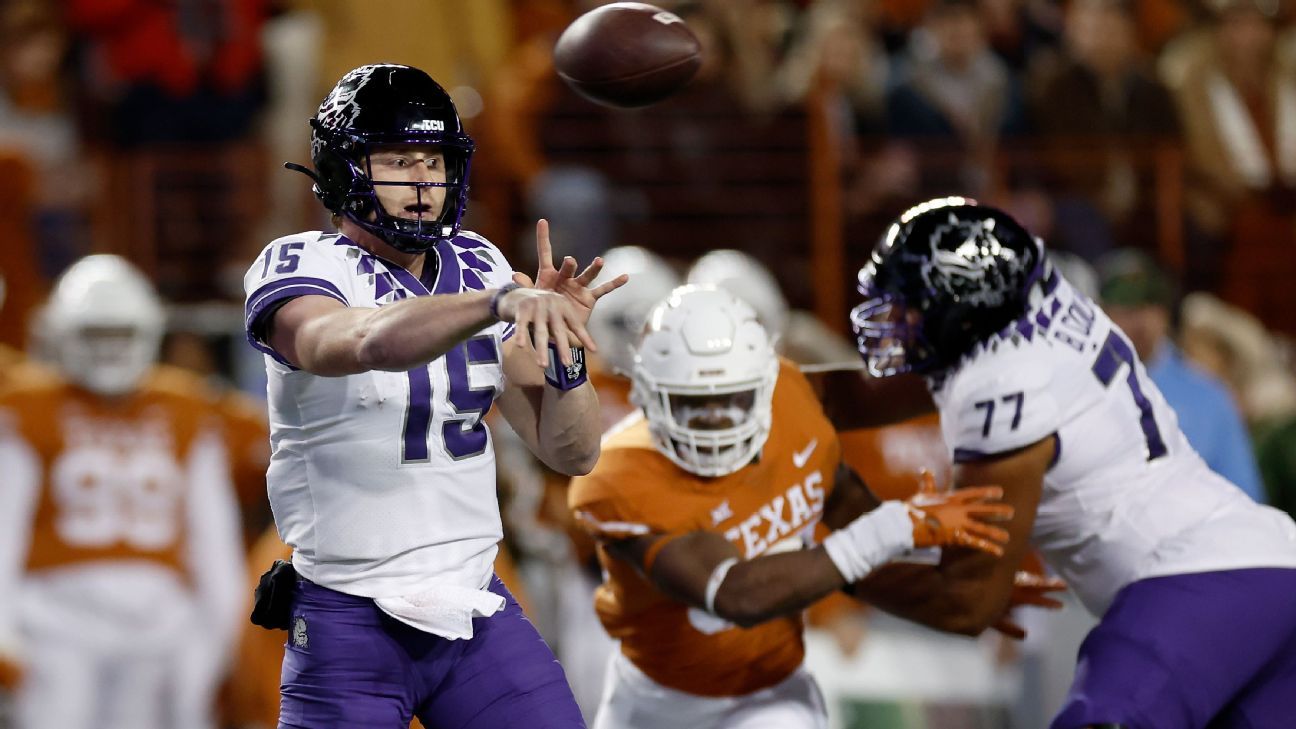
[(445, 610)]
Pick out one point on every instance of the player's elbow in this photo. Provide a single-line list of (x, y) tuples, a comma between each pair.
[(373, 351), (745, 604), (579, 461), (745, 611), (572, 451)]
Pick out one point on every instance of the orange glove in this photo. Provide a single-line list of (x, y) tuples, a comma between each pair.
[(1029, 588), (959, 518)]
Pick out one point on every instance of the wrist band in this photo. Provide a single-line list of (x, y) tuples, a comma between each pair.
[(870, 541), (499, 294), (717, 579), (566, 377)]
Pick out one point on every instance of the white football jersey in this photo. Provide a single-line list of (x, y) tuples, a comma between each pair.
[(1126, 497), (383, 482)]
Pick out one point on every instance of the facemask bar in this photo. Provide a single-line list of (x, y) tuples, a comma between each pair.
[(888, 342), (108, 367), (707, 452)]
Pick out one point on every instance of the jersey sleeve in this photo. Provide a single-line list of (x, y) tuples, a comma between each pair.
[(485, 267), (287, 268), (999, 403), (602, 511)]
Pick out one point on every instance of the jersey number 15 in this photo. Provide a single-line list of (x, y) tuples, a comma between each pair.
[(464, 434)]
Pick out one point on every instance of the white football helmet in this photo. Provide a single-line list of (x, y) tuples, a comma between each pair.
[(749, 280), (704, 375), (617, 320), (103, 324)]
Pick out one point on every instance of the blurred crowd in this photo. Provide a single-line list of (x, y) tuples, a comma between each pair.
[(1151, 143)]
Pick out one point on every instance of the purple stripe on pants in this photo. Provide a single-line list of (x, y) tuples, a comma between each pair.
[(1211, 650), (348, 664)]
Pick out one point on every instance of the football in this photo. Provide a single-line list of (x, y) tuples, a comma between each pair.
[(627, 55)]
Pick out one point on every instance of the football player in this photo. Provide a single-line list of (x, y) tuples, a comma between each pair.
[(385, 345), (702, 504), (120, 557), (1038, 391)]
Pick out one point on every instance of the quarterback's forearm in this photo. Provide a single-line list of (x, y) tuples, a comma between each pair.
[(414, 332), (569, 428), (329, 339)]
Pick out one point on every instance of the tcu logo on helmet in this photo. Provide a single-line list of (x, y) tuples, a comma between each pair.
[(978, 269), (339, 110)]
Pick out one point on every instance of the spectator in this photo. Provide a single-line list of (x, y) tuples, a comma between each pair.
[(1233, 344), (950, 87), (171, 72), (1018, 30), (1140, 298), (1239, 111), (1101, 100), (35, 122), (836, 51)]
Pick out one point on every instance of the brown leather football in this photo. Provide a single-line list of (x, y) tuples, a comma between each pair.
[(627, 55)]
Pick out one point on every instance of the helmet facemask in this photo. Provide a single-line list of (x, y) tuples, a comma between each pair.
[(889, 334), (108, 360), (711, 431)]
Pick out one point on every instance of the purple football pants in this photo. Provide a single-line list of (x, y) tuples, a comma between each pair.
[(349, 664), (1213, 650)]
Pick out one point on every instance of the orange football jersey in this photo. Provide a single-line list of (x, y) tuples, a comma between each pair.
[(247, 439), (774, 503), (112, 473), (614, 396)]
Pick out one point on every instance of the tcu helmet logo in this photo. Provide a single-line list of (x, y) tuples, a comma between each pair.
[(339, 110), (428, 125), (978, 269)]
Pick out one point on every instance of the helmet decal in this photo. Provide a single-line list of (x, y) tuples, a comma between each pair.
[(339, 109), (978, 269)]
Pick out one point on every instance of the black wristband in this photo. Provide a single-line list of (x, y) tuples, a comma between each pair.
[(499, 294), (566, 377)]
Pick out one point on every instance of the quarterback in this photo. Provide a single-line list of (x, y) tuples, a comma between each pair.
[(712, 509), (1038, 391), (385, 345)]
